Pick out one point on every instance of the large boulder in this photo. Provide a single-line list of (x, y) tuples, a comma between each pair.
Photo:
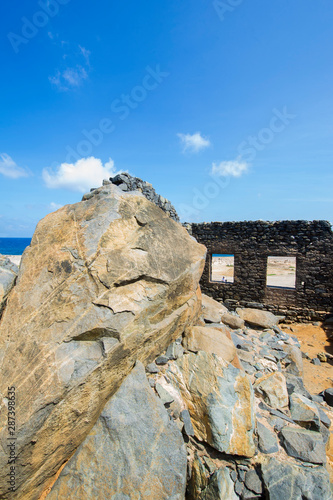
[(105, 282), (133, 451), (212, 340), (8, 274), (256, 317), (220, 400)]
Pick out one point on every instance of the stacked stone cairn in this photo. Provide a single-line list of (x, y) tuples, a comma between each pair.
[(127, 183)]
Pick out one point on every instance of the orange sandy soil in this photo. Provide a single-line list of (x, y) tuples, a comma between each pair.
[(315, 339)]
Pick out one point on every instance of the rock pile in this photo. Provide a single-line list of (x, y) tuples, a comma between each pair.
[(251, 429), (127, 183)]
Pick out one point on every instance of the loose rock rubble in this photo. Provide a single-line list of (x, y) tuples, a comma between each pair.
[(258, 433)]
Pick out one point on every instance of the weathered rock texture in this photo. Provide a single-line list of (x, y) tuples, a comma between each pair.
[(219, 398), (104, 282), (134, 450), (251, 242)]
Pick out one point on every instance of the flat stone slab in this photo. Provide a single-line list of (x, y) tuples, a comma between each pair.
[(303, 444)]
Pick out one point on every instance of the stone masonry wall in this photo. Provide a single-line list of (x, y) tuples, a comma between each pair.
[(251, 243)]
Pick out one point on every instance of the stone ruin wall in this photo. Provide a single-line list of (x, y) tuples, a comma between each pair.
[(251, 243)]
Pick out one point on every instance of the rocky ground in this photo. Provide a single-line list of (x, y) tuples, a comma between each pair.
[(314, 340)]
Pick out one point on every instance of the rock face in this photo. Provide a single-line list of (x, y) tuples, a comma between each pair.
[(133, 451), (220, 401), (105, 282), (8, 274)]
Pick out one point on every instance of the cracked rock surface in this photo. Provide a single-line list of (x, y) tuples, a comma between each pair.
[(105, 282)]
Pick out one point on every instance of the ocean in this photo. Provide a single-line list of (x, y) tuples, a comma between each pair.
[(13, 246)]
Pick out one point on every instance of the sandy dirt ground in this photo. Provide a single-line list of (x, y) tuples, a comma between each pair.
[(315, 339), (16, 259)]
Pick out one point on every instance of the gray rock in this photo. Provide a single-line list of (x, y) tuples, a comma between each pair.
[(328, 396), (304, 412), (249, 369), (152, 382), (318, 398), (249, 495), (186, 419), (128, 183), (220, 487), (174, 351), (161, 360), (152, 368), (303, 444), (286, 481), (233, 475), (239, 487), (164, 394), (276, 413), (316, 361), (253, 481), (267, 439), (134, 450), (323, 417), (170, 352), (295, 384), (8, 275)]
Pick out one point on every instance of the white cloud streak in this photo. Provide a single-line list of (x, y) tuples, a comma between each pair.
[(72, 76), (10, 169), (193, 143), (235, 168), (80, 176)]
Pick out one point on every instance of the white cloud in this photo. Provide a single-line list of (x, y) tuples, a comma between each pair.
[(235, 168), (86, 54), (80, 176), (8, 168), (193, 143), (69, 78), (76, 72)]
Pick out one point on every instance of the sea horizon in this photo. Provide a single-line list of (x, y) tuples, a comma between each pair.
[(13, 246)]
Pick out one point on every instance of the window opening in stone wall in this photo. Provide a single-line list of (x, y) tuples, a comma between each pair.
[(281, 272), (223, 268)]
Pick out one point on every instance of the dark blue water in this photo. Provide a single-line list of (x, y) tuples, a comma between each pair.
[(13, 246)]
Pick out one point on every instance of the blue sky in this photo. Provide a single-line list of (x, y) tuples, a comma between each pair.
[(224, 106)]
